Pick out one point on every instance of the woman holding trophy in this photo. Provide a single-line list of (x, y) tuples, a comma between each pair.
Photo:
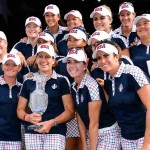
[(50, 104)]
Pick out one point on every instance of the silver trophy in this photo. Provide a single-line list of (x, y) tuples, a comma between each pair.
[(38, 101)]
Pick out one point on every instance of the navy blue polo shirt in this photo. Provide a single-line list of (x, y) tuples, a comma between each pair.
[(132, 37), (1, 71), (10, 125), (139, 54), (60, 35), (27, 50), (124, 101), (119, 40), (55, 87), (62, 47), (88, 91)]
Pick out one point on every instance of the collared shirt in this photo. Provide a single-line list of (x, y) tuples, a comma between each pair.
[(27, 50), (140, 54), (60, 34), (56, 87), (124, 101), (121, 41), (88, 91), (10, 129), (132, 36)]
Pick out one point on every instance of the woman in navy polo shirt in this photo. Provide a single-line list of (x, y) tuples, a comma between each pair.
[(60, 105), (88, 98), (140, 53), (73, 19), (127, 28), (10, 125), (53, 19), (128, 89)]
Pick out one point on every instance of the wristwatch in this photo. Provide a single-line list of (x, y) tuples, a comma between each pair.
[(55, 122)]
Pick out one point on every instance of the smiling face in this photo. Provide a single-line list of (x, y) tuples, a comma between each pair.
[(102, 23), (42, 41), (10, 68), (126, 18), (76, 69), (32, 30), (45, 62), (73, 21), (143, 28), (51, 19), (108, 62), (73, 42)]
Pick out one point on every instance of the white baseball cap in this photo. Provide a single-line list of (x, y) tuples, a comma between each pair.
[(75, 13), (106, 48), (34, 20), (98, 35), (76, 33), (77, 54), (3, 36), (13, 57), (46, 36), (126, 6), (101, 10), (47, 48), (146, 16), (52, 8)]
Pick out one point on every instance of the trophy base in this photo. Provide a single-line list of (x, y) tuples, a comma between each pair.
[(34, 127)]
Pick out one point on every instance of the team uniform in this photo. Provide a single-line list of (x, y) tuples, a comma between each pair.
[(140, 54), (59, 35), (118, 39), (55, 87), (72, 126), (99, 73), (131, 38), (27, 50), (89, 91), (10, 131), (126, 105)]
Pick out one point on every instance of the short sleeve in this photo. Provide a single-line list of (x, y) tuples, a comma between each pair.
[(65, 87), (24, 92)]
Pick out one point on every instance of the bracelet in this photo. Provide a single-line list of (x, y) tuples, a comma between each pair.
[(55, 122), (24, 116)]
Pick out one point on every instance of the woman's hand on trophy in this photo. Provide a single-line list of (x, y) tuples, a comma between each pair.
[(34, 118), (46, 126)]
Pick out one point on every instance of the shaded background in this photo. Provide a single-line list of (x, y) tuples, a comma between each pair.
[(13, 13)]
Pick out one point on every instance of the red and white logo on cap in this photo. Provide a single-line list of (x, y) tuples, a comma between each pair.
[(32, 19), (73, 31), (10, 55), (100, 46), (98, 9), (50, 7), (44, 46)]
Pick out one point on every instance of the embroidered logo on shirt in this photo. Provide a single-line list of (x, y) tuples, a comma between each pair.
[(54, 86), (82, 98), (120, 87)]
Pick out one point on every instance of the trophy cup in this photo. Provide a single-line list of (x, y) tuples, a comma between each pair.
[(38, 99)]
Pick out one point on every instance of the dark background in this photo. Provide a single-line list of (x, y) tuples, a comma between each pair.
[(13, 13)]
